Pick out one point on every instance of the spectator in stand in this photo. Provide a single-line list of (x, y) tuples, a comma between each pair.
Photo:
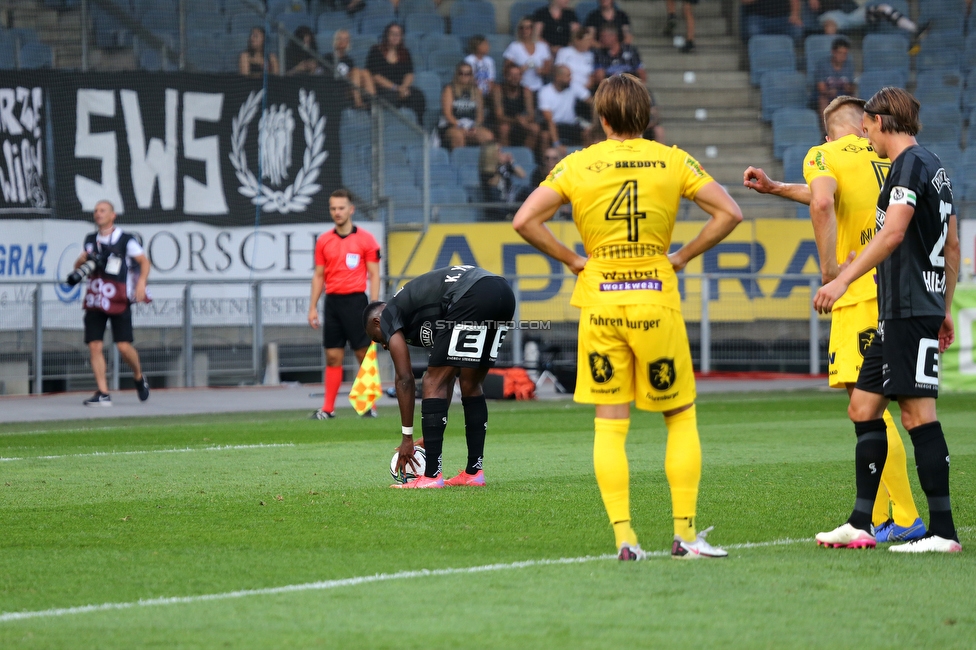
[(613, 57), (579, 59), (688, 6), (607, 12), (771, 17), (834, 76), (557, 101), (349, 6), (343, 67), (252, 60), (392, 68), (482, 64), (514, 108), (498, 173), (843, 15), (301, 59), (530, 54), (551, 156), (654, 130), (463, 110), (555, 24)]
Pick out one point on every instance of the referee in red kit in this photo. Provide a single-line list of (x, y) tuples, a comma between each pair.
[(344, 257)]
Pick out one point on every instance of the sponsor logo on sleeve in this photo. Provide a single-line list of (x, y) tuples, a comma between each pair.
[(819, 160), (696, 168)]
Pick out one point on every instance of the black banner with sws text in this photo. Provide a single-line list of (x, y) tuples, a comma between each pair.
[(24, 187), (209, 148)]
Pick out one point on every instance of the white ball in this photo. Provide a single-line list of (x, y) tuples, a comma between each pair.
[(419, 455)]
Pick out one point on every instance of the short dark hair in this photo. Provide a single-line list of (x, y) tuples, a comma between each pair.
[(341, 193), (897, 108), (474, 42), (839, 42), (370, 308)]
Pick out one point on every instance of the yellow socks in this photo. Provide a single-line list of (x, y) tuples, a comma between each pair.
[(613, 475), (682, 466), (894, 482)]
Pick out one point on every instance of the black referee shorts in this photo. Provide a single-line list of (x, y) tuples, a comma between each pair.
[(903, 359), (475, 326), (95, 321), (343, 321)]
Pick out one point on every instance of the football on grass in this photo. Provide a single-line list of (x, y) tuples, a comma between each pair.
[(409, 473)]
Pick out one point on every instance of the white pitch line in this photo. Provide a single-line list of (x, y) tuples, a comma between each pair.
[(151, 451), (344, 582)]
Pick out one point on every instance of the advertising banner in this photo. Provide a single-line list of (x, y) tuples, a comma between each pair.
[(767, 246), (46, 249), (214, 148), (23, 183)]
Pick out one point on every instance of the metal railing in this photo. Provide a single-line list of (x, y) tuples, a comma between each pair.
[(212, 333)]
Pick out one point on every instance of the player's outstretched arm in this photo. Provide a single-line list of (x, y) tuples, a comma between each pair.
[(530, 222), (897, 220), (824, 219), (406, 392), (725, 214), (756, 179), (947, 332)]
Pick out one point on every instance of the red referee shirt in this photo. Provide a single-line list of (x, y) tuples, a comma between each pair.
[(344, 259)]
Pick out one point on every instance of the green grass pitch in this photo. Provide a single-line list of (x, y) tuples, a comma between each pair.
[(212, 505)]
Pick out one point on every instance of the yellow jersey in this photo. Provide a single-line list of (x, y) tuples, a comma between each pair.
[(625, 197), (859, 173)]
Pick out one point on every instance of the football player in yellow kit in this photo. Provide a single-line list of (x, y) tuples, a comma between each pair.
[(633, 346), (844, 176)]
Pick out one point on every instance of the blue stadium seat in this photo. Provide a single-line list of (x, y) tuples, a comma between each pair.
[(36, 55), (523, 8), (374, 23), (109, 33), (782, 89), (433, 42), (162, 21), (523, 156), (770, 52), (277, 8), (795, 127), (969, 97), (355, 127), (933, 59), (950, 154), (443, 62), (937, 87), (423, 24), (429, 83), (293, 20), (336, 20), (243, 23), (944, 14), (471, 17), (465, 157), (357, 179), (442, 196), (359, 47), (584, 8), (816, 48), (408, 7), (498, 43), (8, 51), (885, 52), (442, 174), (964, 187), (873, 81), (941, 123)]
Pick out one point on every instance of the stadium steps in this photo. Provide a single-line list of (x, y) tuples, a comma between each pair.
[(59, 29)]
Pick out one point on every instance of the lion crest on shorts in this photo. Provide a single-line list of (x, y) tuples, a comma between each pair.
[(600, 367), (864, 340), (661, 373)]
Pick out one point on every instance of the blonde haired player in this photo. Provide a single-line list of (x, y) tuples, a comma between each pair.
[(844, 176), (633, 346)]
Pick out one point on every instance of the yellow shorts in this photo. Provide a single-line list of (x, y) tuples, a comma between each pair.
[(852, 328), (634, 353)]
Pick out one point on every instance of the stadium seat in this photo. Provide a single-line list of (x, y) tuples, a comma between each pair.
[(433, 42), (498, 43), (277, 8), (465, 157), (885, 52), (943, 14), (374, 23), (949, 153), (793, 173), (816, 48), (429, 83), (471, 17), (584, 8), (871, 82), (795, 126), (36, 55), (359, 47), (408, 7), (355, 127), (336, 20), (443, 62), (941, 123), (939, 88), (8, 51), (523, 156), (358, 180), (423, 24), (523, 8), (293, 20), (933, 59), (109, 33), (783, 89), (770, 52), (442, 174), (969, 96), (444, 197), (964, 187), (161, 21)]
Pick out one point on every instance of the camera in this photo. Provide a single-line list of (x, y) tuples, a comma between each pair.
[(86, 269)]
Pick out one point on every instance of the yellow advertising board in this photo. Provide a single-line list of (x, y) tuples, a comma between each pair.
[(770, 247)]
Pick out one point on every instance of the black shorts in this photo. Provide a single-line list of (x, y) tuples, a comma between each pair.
[(343, 321), (903, 360), (95, 321), (474, 327)]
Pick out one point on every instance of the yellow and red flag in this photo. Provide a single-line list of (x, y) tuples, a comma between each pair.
[(366, 389)]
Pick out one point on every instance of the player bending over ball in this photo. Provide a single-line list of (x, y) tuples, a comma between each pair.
[(462, 313), (625, 194)]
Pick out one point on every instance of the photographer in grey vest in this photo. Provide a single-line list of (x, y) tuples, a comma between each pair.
[(116, 268)]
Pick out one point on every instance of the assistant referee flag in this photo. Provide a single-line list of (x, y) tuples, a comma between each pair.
[(366, 389)]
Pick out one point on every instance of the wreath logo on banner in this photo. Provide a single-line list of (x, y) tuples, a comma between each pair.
[(297, 196)]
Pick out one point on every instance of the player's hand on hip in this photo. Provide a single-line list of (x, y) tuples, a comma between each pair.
[(756, 179), (676, 262), (140, 294), (313, 318), (577, 265), (827, 295), (947, 333)]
